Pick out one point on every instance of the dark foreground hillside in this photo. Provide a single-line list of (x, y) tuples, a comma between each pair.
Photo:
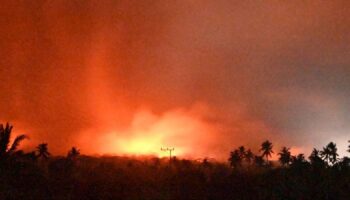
[(24, 177)]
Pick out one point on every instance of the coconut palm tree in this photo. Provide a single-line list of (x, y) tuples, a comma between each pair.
[(329, 153), (258, 161), (235, 159), (285, 156), (298, 161), (242, 152), (325, 154), (5, 136), (206, 163), (333, 150), (314, 154), (344, 163), (316, 159), (73, 153), (249, 156), (43, 151), (266, 149)]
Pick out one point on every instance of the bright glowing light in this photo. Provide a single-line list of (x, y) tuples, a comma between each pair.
[(148, 133), (142, 146)]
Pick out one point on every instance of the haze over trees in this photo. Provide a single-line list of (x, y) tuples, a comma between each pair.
[(246, 175)]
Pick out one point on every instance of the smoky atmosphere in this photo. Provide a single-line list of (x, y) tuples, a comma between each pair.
[(201, 76), (185, 99)]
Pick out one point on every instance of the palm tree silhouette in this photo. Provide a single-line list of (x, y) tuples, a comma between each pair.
[(333, 150), (325, 154), (43, 151), (329, 153), (299, 158), (258, 161), (314, 154), (235, 159), (241, 150), (285, 156), (315, 158), (5, 135), (298, 161), (349, 146), (266, 149), (205, 162), (344, 163), (249, 156), (73, 153)]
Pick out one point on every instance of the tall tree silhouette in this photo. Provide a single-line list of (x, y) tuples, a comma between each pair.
[(5, 136), (344, 163), (325, 154), (266, 149), (298, 161), (334, 155), (329, 153), (349, 146), (235, 159), (316, 159), (284, 156), (241, 150), (249, 156), (43, 151), (258, 161), (73, 153)]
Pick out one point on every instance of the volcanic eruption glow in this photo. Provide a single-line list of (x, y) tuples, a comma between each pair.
[(148, 133), (130, 77)]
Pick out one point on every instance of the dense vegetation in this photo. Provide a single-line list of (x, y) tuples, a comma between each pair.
[(38, 175)]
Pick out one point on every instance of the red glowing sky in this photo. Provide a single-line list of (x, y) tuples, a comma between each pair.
[(128, 77)]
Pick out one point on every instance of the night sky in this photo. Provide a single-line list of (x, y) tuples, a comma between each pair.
[(203, 76)]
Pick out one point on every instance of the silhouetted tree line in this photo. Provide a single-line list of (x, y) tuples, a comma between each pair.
[(39, 175)]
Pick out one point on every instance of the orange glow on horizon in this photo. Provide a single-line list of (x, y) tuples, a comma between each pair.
[(145, 146), (148, 133)]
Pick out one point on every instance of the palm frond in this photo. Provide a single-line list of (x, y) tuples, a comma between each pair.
[(16, 142), (5, 134)]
